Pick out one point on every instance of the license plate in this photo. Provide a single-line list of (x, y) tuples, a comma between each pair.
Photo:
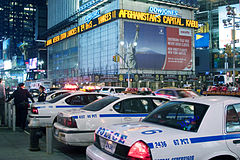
[(108, 145), (56, 132)]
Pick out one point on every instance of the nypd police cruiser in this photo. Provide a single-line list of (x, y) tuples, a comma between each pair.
[(46, 112), (76, 126), (201, 128)]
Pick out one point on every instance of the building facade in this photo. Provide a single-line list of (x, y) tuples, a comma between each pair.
[(210, 16), (22, 22), (111, 42)]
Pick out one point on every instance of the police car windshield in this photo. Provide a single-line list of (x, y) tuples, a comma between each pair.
[(179, 115), (100, 104), (54, 100)]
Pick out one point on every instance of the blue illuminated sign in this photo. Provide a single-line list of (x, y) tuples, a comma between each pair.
[(88, 5), (163, 11), (201, 40), (91, 16)]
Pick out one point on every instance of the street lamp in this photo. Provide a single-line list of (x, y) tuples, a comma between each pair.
[(232, 17), (125, 62)]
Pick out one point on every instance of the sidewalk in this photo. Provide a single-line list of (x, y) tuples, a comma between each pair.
[(15, 146)]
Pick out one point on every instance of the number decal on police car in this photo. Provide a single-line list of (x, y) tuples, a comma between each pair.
[(183, 141), (161, 144)]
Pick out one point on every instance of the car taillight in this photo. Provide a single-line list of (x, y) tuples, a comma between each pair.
[(138, 151), (34, 110), (69, 122), (94, 137)]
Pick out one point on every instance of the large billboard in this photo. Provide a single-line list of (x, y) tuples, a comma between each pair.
[(156, 47), (225, 34)]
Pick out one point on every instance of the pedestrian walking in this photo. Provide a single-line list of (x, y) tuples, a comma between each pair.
[(21, 96), (2, 103), (42, 95)]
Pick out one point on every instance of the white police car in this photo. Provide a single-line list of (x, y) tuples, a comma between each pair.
[(201, 128), (53, 94), (76, 127), (46, 112)]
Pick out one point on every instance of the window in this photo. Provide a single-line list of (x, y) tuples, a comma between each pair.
[(93, 97), (169, 92), (134, 105), (179, 115), (100, 104), (158, 102), (59, 98), (232, 118), (57, 94), (77, 100)]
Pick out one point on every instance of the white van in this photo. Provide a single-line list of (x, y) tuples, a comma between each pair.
[(112, 90), (222, 79)]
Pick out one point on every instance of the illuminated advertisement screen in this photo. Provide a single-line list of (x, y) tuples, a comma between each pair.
[(225, 34), (33, 63), (6, 49), (156, 47), (124, 14)]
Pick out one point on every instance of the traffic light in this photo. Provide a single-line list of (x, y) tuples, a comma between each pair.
[(116, 58), (228, 49)]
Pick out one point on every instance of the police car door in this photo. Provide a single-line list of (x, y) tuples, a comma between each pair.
[(233, 128)]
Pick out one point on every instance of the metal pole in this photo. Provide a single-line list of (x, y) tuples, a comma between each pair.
[(233, 39), (6, 114), (14, 118), (49, 139), (9, 115), (128, 77)]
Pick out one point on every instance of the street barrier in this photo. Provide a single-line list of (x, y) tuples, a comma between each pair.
[(35, 128), (10, 115), (49, 138)]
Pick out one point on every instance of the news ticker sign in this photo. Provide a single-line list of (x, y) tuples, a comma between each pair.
[(124, 14)]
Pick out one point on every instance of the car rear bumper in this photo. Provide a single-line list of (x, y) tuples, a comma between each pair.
[(73, 136), (94, 153)]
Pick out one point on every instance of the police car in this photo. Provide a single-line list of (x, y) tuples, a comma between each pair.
[(201, 128), (76, 127), (46, 112), (52, 94)]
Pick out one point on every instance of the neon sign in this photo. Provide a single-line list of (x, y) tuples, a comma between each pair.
[(163, 11), (91, 16), (94, 22), (88, 5)]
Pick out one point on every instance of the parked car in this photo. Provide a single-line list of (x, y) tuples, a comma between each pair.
[(53, 94), (201, 128), (46, 112), (76, 126), (175, 93), (112, 90)]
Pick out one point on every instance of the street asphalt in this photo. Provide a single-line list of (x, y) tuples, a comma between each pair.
[(15, 146)]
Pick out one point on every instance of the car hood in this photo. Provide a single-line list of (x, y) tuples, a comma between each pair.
[(129, 133)]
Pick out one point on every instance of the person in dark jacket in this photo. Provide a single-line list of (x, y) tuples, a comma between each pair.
[(42, 95), (21, 102)]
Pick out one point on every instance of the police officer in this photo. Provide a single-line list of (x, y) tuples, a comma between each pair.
[(21, 96), (42, 95)]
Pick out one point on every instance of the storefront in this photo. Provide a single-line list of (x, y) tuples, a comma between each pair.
[(149, 45)]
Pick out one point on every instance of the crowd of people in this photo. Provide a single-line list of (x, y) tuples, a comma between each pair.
[(21, 103)]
